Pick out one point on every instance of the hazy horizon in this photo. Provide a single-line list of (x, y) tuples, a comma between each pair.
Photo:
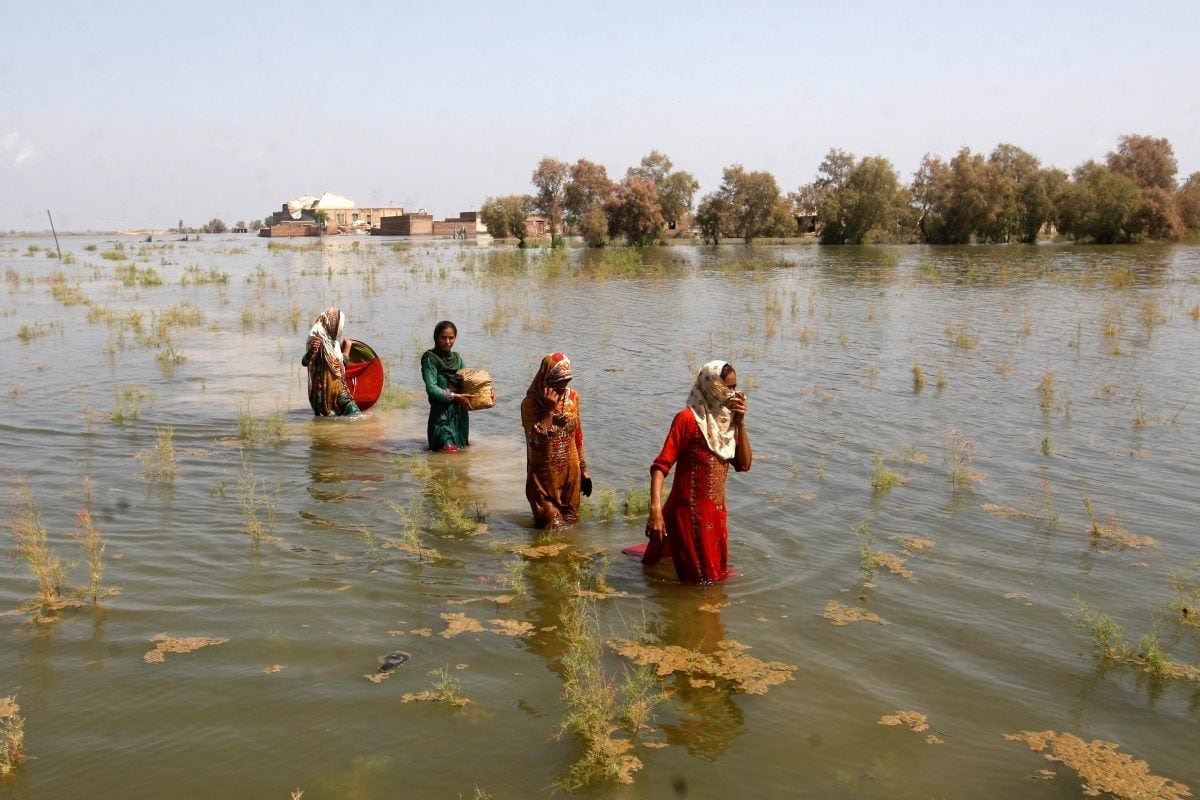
[(135, 115)]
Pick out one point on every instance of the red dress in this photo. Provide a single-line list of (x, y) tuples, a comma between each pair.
[(695, 516)]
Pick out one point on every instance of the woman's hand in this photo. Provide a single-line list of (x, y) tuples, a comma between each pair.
[(464, 401), (656, 529), (314, 345), (550, 400), (737, 406)]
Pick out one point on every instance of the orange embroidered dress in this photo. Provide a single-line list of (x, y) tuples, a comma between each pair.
[(554, 457), (697, 534)]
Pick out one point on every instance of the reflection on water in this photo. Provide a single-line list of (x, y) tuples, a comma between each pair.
[(379, 540), (710, 718)]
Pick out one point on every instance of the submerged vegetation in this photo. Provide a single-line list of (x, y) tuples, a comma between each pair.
[(55, 592), (607, 713), (1112, 647), (12, 736), (1101, 767)]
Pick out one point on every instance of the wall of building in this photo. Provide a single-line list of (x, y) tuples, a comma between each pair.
[(406, 225)]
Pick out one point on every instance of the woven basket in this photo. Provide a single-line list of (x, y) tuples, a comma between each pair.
[(477, 385)]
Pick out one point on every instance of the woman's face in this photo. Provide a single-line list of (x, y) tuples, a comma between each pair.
[(731, 381), (445, 339)]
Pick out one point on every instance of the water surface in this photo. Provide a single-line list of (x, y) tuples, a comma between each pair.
[(981, 638)]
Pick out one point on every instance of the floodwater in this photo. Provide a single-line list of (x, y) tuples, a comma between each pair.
[(982, 631)]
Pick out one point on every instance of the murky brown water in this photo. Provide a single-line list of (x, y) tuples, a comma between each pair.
[(980, 632)]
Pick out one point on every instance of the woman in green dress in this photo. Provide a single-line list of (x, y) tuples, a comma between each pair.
[(448, 421)]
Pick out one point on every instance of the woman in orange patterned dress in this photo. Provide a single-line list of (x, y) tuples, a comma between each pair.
[(325, 358), (705, 439), (556, 470)]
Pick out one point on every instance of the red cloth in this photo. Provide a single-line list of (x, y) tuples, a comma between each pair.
[(695, 516)]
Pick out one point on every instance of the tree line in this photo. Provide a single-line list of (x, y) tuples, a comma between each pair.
[(1006, 196), (582, 197)]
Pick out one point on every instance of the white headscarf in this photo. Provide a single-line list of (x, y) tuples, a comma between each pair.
[(708, 403), (328, 328)]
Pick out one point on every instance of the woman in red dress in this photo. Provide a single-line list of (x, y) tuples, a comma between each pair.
[(705, 438)]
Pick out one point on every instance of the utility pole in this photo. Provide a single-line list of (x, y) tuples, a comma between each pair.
[(56, 247)]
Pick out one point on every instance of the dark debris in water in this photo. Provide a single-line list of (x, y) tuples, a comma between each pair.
[(393, 660)]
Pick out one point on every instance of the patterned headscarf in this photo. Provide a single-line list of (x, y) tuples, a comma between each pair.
[(555, 369), (708, 402), (328, 328)]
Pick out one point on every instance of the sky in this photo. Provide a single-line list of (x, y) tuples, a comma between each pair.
[(128, 115)]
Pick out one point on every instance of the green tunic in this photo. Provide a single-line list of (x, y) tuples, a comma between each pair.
[(448, 421)]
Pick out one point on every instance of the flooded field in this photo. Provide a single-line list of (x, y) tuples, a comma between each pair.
[(972, 516)]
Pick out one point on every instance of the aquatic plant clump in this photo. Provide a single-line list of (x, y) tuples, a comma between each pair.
[(33, 548), (458, 623), (1103, 769), (12, 736), (599, 706), (884, 478), (961, 450), (171, 644), (729, 663), (915, 721), (841, 614), (1148, 655), (446, 689)]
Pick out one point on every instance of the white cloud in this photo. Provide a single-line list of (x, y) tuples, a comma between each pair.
[(16, 150)]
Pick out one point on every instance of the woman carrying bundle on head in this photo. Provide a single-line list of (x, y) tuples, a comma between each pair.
[(705, 438), (449, 424), (556, 470), (325, 358)]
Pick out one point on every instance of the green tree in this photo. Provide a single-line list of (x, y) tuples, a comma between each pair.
[(505, 216), (550, 181), (676, 189), (782, 223), (956, 201), (676, 196), (593, 226), (1038, 198), (712, 217), (216, 225), (855, 202), (1008, 168), (634, 212), (931, 197), (1188, 201), (1157, 216), (1100, 205), (256, 224), (971, 208), (1149, 162), (588, 189), (751, 198)]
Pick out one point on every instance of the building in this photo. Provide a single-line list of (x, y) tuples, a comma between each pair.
[(412, 224), (330, 213), (337, 213), (465, 225)]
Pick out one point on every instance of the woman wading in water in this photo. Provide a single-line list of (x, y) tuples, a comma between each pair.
[(449, 425), (556, 470), (705, 438), (325, 358)]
